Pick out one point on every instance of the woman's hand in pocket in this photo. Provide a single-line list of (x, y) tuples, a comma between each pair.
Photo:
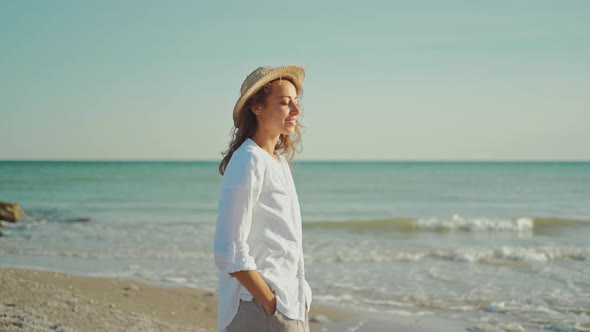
[(271, 306)]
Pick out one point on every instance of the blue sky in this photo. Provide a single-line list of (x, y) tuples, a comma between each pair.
[(390, 80)]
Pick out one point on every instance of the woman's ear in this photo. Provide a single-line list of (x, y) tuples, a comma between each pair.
[(257, 110)]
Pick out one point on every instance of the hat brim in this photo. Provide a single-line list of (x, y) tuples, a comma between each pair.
[(296, 73)]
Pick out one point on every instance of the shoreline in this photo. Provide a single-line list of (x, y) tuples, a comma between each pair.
[(34, 300), (57, 301)]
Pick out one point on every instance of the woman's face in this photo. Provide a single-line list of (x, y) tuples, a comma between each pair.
[(279, 116)]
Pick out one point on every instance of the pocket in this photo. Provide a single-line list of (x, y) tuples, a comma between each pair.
[(279, 322), (276, 313), (260, 307)]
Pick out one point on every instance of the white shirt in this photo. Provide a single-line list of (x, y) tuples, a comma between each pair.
[(259, 228)]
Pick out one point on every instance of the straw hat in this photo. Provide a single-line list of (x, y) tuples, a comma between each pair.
[(262, 75)]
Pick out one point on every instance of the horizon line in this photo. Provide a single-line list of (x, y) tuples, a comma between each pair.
[(306, 160)]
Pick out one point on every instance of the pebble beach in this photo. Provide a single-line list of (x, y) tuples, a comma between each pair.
[(34, 300)]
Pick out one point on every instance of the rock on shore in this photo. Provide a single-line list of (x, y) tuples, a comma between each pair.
[(10, 212)]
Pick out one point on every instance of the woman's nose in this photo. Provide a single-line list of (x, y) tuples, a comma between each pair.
[(295, 109)]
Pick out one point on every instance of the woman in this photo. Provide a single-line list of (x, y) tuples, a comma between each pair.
[(258, 236)]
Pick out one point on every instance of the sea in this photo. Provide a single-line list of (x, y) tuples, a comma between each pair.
[(502, 246)]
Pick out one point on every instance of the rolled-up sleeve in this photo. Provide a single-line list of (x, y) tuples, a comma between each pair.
[(240, 189)]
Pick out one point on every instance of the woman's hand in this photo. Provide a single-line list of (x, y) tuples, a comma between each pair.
[(253, 282), (271, 306)]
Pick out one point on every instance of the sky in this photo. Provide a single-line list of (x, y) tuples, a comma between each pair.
[(385, 80)]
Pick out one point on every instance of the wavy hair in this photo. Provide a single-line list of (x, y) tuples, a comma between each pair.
[(246, 126)]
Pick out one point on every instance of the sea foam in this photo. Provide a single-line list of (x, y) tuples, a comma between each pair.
[(458, 223)]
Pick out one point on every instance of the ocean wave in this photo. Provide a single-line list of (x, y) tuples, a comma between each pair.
[(476, 224), (454, 223), (501, 255), (131, 253), (512, 254)]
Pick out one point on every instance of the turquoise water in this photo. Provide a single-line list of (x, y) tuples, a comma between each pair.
[(492, 243)]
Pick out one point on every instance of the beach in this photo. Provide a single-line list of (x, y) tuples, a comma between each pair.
[(34, 300), (51, 301)]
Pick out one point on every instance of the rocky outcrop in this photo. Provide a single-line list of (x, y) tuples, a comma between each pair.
[(10, 212)]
